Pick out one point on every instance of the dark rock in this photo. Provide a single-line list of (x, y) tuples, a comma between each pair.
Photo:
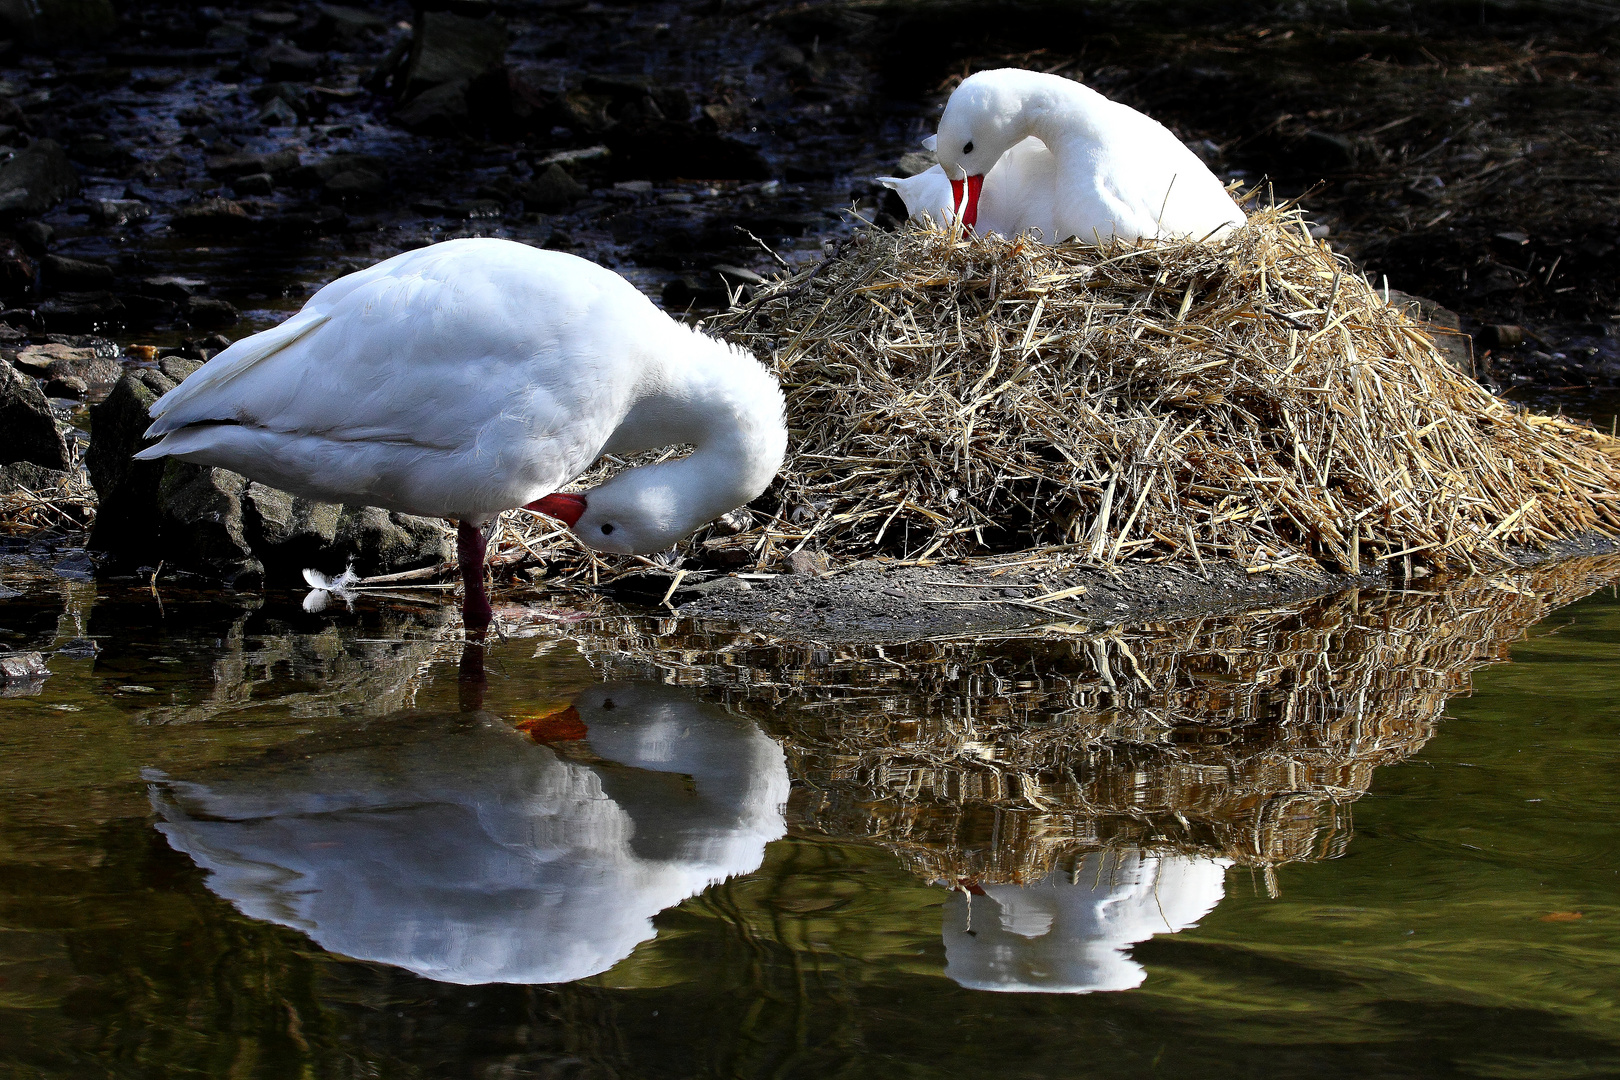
[(95, 371), (551, 191), (172, 288), (446, 47), (440, 110), (178, 368), (666, 150), (30, 429), (279, 60), (323, 169), (321, 221), (277, 113), (22, 673), (62, 274), (16, 269), (212, 217), (1444, 327), (34, 236), (201, 522), (25, 474), (379, 542), (45, 23), (36, 179), (67, 386), (118, 211), (694, 290), (102, 154), (1326, 152), (81, 313), (126, 490), (1502, 336), (254, 184), (477, 210), (210, 313), (273, 22), (354, 185), (228, 166), (341, 26)]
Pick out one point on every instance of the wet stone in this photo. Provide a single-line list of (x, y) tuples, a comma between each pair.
[(16, 269), (36, 179), (213, 217), (67, 386), (436, 111), (209, 313), (34, 236), (110, 212), (354, 184), (280, 60), (81, 313), (30, 429), (227, 166), (126, 490), (446, 47), (551, 191), (201, 523), (78, 275), (22, 673), (254, 184), (380, 542), (178, 367)]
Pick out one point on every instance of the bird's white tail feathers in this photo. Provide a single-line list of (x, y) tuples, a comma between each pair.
[(171, 411)]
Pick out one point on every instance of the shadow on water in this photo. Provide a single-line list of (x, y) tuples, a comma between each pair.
[(244, 840)]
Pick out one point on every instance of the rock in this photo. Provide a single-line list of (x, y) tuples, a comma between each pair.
[(694, 290), (118, 211), (201, 524), (323, 169), (171, 287), (446, 47), (16, 269), (212, 217), (441, 110), (1325, 151), (665, 150), (102, 154), (918, 161), (47, 23), (62, 274), (254, 184), (34, 236), (178, 368), (273, 22), (354, 185), (228, 166), (341, 26), (94, 371), (277, 113), (36, 179), (30, 429), (379, 542), (279, 60), (22, 673), (25, 474), (209, 313), (808, 562), (1444, 326), (67, 386), (551, 191), (1502, 336), (41, 357), (81, 313), (299, 531), (127, 490)]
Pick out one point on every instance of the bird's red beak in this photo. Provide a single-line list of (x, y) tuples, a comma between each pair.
[(967, 209), (566, 507)]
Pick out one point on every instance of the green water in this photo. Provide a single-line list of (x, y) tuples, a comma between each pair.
[(1410, 862)]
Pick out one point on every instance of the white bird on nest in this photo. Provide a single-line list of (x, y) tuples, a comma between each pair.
[(1109, 171), (478, 375)]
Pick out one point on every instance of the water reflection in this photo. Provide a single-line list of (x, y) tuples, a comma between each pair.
[(1071, 932), (462, 849)]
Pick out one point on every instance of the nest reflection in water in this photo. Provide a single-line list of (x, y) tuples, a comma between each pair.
[(1245, 737)]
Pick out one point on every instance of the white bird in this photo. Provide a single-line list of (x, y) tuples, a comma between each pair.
[(1115, 172), (474, 376), (1016, 197), (1072, 933), (456, 848)]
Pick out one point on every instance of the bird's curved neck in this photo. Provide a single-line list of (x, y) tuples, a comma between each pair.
[(722, 403), (1062, 114)]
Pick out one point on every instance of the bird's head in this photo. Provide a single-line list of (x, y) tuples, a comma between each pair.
[(626, 515), (982, 121)]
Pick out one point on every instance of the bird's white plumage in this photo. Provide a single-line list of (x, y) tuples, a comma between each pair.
[(468, 854), (1116, 171), (1017, 196), (469, 377)]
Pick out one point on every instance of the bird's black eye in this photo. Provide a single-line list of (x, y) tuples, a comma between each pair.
[(607, 703), (607, 530), (968, 149)]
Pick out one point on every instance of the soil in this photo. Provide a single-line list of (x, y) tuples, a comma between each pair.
[(1465, 150)]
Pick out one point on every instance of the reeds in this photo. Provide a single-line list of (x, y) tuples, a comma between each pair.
[(69, 504)]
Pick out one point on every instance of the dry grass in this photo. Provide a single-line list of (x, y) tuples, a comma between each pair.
[(955, 396), (70, 505)]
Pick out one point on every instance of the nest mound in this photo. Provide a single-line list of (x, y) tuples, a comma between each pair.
[(953, 396)]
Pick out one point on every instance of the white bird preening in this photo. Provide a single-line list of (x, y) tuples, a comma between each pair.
[(479, 375), (1016, 196), (1115, 172)]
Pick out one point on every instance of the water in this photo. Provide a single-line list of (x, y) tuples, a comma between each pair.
[(245, 840)]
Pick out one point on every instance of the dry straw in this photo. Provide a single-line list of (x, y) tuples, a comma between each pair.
[(954, 396)]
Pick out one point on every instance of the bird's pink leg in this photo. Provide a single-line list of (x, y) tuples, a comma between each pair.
[(475, 610)]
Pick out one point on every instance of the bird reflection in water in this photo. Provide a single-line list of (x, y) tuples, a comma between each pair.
[(467, 851), (1071, 932)]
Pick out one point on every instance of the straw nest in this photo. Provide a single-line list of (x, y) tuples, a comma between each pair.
[(954, 396), (68, 503), (1245, 737)]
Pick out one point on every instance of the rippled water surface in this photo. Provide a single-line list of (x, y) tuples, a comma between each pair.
[(1340, 839)]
